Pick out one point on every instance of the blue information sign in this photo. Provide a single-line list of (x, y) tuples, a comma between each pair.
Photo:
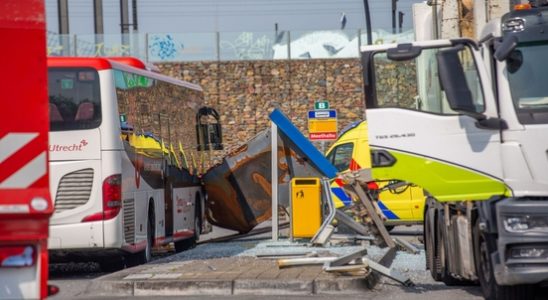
[(321, 114)]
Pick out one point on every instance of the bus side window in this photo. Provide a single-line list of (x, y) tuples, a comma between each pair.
[(209, 134)]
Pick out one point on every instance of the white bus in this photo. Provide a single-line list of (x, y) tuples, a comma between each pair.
[(124, 160)]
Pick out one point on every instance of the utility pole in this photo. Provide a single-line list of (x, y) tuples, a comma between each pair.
[(134, 15), (62, 12), (62, 9), (400, 20), (367, 21), (98, 24), (124, 21), (394, 7)]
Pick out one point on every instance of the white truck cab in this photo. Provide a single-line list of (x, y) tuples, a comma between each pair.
[(468, 122)]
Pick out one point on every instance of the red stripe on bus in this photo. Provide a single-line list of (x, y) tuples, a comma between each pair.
[(130, 61), (79, 62), (183, 234)]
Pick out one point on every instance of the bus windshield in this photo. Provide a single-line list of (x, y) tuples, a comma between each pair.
[(527, 72), (74, 99)]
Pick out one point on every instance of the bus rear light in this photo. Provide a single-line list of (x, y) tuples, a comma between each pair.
[(112, 199), (17, 256)]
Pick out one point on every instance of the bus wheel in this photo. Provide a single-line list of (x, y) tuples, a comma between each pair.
[(198, 219), (145, 255), (491, 290), (112, 264)]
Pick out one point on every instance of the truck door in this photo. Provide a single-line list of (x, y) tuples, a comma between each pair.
[(410, 116), (523, 96)]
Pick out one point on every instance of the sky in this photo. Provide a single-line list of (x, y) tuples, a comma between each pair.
[(179, 16)]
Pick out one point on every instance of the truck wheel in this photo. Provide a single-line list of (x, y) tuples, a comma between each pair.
[(429, 245), (491, 290), (436, 270)]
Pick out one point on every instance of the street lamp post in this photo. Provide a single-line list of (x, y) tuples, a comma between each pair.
[(367, 21)]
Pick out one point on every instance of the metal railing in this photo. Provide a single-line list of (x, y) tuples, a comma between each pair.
[(222, 46)]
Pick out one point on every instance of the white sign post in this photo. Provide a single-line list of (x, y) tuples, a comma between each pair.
[(274, 178)]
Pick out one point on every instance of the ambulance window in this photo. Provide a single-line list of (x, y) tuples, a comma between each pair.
[(340, 156)]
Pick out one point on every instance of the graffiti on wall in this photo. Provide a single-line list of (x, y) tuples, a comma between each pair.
[(164, 47), (73, 46), (247, 46), (222, 46)]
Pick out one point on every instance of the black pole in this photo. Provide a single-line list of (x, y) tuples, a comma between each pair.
[(367, 22), (134, 10), (400, 21), (394, 16), (124, 21), (98, 16), (98, 22), (63, 14), (62, 11)]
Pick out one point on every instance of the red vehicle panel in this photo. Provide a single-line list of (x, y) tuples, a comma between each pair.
[(25, 204)]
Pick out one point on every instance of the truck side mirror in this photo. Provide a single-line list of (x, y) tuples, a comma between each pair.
[(506, 47), (453, 81), (210, 135), (403, 52)]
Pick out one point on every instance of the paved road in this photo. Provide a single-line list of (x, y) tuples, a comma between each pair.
[(73, 278)]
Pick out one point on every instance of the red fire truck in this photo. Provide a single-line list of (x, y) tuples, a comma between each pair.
[(25, 205)]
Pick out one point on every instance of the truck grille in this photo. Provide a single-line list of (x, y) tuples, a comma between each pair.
[(74, 190), (129, 221)]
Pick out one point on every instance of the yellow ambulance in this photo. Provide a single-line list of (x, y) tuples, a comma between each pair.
[(401, 204)]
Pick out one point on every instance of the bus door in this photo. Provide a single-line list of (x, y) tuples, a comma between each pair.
[(168, 172)]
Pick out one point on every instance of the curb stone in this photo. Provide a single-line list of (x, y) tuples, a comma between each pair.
[(226, 287), (182, 288), (340, 286), (273, 287)]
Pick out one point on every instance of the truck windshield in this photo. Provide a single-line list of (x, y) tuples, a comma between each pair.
[(527, 71), (74, 100)]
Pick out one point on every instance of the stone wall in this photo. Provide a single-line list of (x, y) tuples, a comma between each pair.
[(244, 92)]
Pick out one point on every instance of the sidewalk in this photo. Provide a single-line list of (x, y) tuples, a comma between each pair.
[(224, 276), (230, 268)]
